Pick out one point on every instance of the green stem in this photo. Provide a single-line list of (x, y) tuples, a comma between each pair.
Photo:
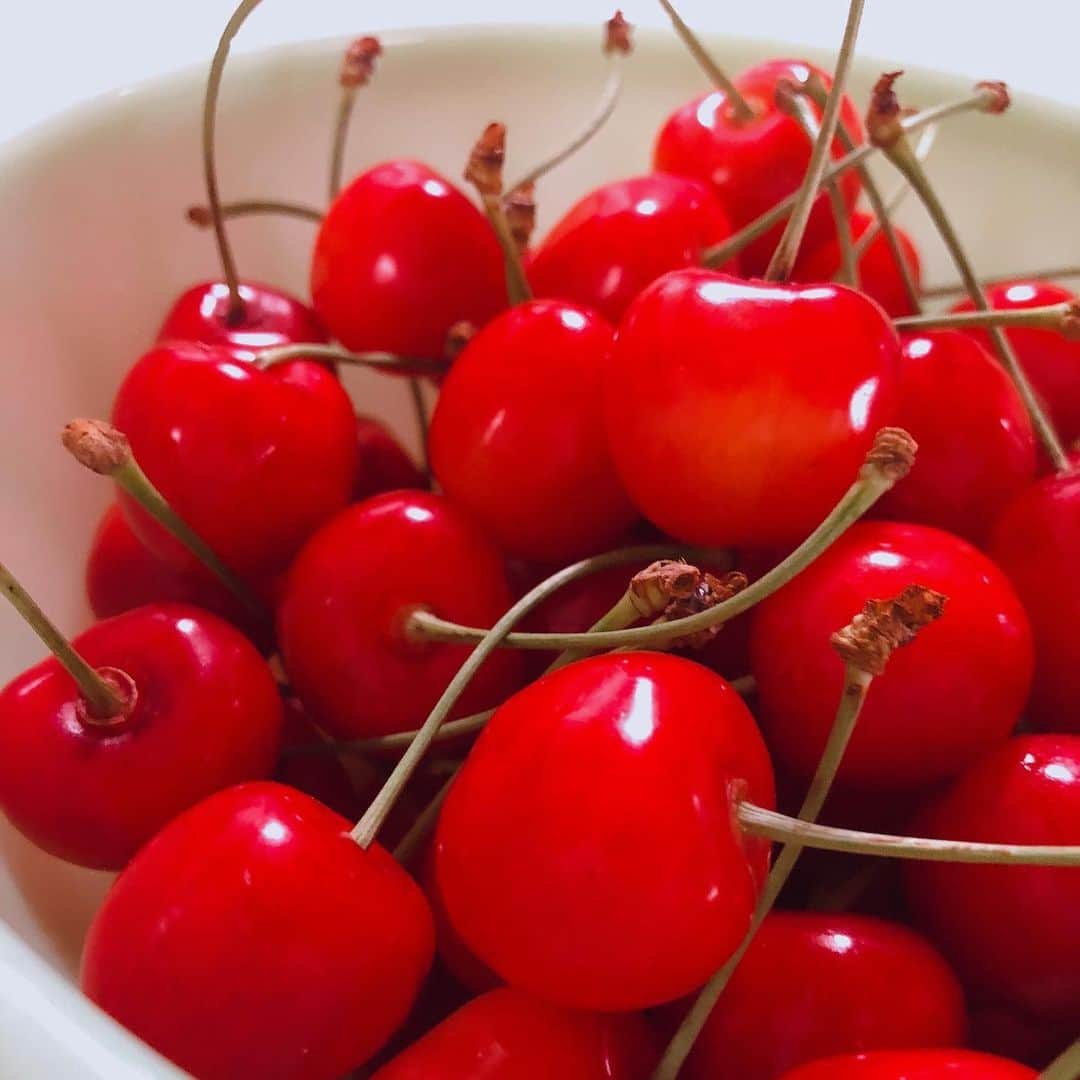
[(201, 216), (381, 361), (517, 285), (1066, 1066), (1062, 317), (1050, 274), (341, 133)]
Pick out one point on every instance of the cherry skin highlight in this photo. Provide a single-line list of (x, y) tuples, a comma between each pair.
[(517, 438), (814, 984), (508, 1034), (588, 852), (1035, 541), (254, 461), (1011, 932), (622, 236), (383, 464), (400, 257), (879, 276), (914, 1065), (976, 444), (738, 412), (205, 714), (751, 166), (264, 889), (342, 619), (954, 693)]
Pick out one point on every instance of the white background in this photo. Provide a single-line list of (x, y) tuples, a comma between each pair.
[(56, 52)]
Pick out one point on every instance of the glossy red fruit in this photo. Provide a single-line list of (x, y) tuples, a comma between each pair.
[(752, 166), (341, 622), (1012, 933), (818, 983), (879, 275), (254, 461), (400, 257), (1036, 541), (621, 237), (517, 436), (976, 442), (383, 464), (206, 714), (587, 851), (913, 1065), (738, 413), (911, 730), (1050, 360), (508, 1035), (288, 951), (270, 318)]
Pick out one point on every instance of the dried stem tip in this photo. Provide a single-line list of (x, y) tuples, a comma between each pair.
[(200, 215), (520, 207), (997, 98), (457, 337), (617, 35), (97, 445), (359, 63), (892, 454), (654, 588), (883, 118), (709, 592), (869, 639), (485, 167)]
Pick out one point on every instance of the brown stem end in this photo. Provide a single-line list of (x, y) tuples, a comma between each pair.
[(199, 215), (358, 65), (484, 169), (99, 446), (618, 35), (708, 593), (883, 127), (996, 99), (520, 208), (892, 454), (457, 337)]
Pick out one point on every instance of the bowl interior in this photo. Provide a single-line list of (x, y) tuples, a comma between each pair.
[(91, 216)]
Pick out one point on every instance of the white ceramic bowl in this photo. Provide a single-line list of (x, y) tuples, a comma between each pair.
[(96, 247)]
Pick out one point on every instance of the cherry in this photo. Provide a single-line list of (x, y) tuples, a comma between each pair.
[(507, 1034), (383, 465), (814, 984), (1011, 932), (587, 850), (752, 164), (200, 711), (879, 276), (1035, 542), (401, 257), (621, 237), (516, 439), (910, 732), (254, 461), (342, 619), (288, 950), (913, 1065), (738, 412), (1050, 361), (977, 447)]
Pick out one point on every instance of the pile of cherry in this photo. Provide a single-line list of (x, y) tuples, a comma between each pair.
[(291, 608)]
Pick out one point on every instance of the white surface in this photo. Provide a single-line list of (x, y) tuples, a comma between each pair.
[(96, 248), (52, 55)]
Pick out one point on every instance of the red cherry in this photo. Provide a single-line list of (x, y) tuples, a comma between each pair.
[(205, 714), (254, 937), (254, 461), (976, 442), (270, 318), (913, 1065), (383, 465), (507, 1035), (401, 256), (1035, 542), (814, 984), (621, 237), (1012, 932), (911, 731), (341, 622), (879, 276), (753, 165), (517, 438), (1050, 361), (738, 413), (587, 850)]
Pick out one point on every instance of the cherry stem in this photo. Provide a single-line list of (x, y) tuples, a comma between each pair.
[(1064, 318), (356, 71), (267, 358), (1066, 1066), (203, 218), (209, 152), (408, 846), (856, 684), (899, 152), (742, 111), (517, 285), (101, 699), (888, 461), (416, 392), (1005, 279), (341, 132), (783, 259), (723, 252)]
